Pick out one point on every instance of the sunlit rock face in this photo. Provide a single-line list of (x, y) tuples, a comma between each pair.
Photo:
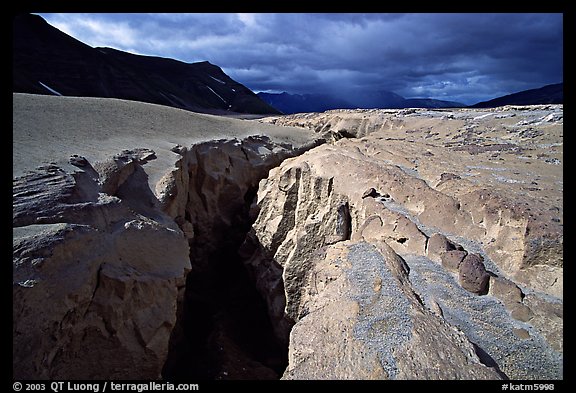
[(108, 196), (430, 233)]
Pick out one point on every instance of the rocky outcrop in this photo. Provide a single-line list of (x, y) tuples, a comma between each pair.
[(505, 196), (410, 277), (364, 321), (209, 194), (428, 248), (359, 291), (213, 182), (97, 270), (112, 256), (105, 231)]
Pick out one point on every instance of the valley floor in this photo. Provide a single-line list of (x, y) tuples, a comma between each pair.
[(349, 244)]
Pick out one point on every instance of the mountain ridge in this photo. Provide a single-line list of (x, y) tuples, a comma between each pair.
[(300, 103), (48, 61), (296, 103), (548, 94)]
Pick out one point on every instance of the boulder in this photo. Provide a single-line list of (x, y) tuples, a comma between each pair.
[(473, 275), (451, 259), (437, 245), (505, 290)]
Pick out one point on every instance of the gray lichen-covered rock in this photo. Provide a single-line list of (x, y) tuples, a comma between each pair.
[(364, 322)]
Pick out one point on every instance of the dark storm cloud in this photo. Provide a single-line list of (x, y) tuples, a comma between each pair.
[(462, 57)]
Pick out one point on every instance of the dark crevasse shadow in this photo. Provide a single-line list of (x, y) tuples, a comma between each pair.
[(225, 327), (488, 361), (224, 330)]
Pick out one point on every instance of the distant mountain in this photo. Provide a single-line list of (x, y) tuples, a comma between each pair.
[(431, 103), (549, 94), (377, 99), (301, 103), (48, 61)]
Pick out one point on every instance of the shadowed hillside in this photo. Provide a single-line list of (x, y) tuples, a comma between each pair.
[(549, 94), (47, 61)]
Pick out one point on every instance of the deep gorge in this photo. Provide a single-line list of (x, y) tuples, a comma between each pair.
[(223, 330)]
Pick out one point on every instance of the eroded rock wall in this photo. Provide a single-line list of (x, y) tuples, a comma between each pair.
[(352, 304), (213, 183), (209, 194), (97, 270), (428, 248), (492, 176), (355, 231), (101, 260)]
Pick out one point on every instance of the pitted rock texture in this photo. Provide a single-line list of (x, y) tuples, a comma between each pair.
[(489, 175), (473, 275), (442, 194)]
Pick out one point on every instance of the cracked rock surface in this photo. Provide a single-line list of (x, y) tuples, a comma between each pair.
[(101, 241), (416, 244), (456, 230)]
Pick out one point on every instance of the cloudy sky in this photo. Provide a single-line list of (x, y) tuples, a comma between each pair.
[(459, 57)]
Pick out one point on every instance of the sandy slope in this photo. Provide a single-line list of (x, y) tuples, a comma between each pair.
[(99, 258), (50, 129)]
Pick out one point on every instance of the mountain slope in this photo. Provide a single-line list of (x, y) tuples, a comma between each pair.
[(299, 103), (47, 61), (549, 94), (302, 103), (431, 103)]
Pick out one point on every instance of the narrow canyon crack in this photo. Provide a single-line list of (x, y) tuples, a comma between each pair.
[(223, 329), (147, 272)]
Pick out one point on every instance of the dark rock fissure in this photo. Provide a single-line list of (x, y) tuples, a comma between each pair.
[(223, 329), (488, 361)]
